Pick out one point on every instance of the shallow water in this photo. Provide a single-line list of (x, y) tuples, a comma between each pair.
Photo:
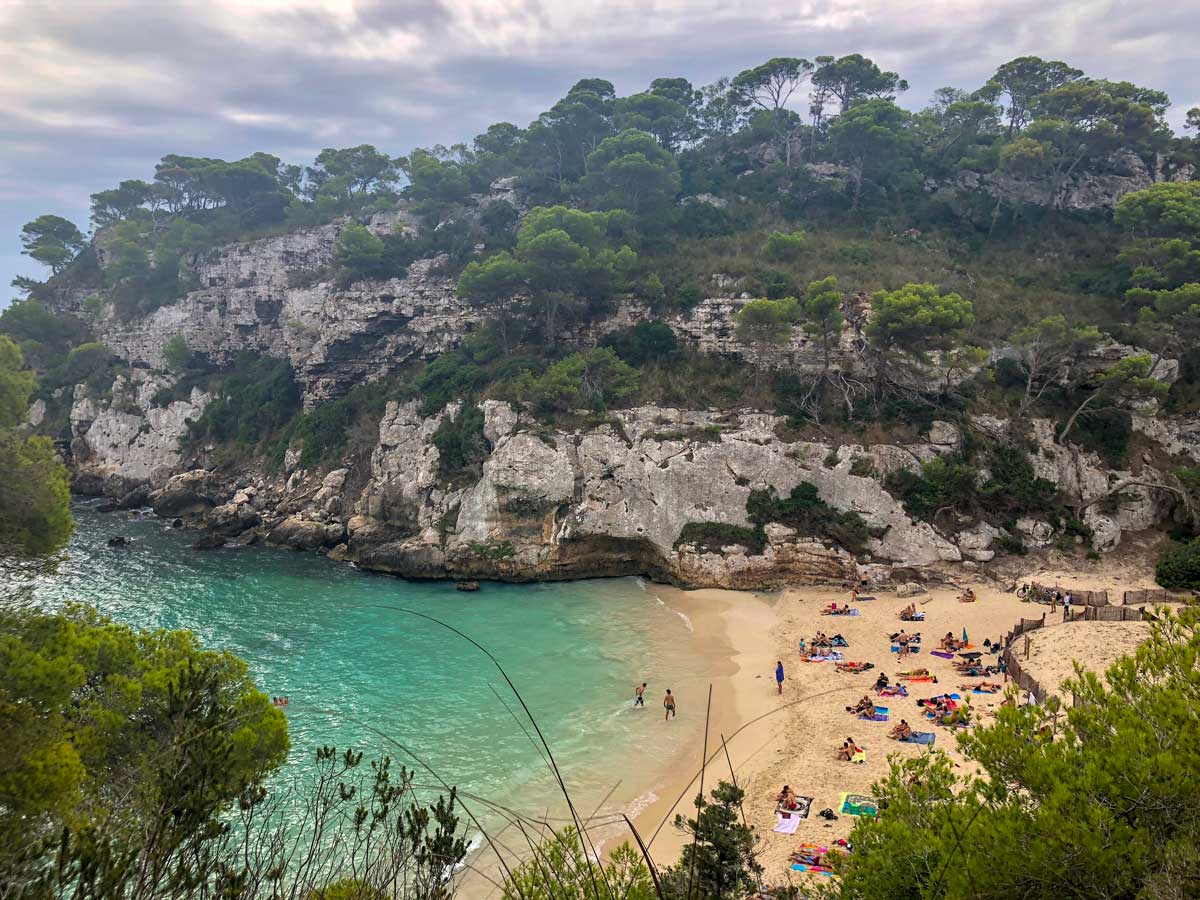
[(361, 672)]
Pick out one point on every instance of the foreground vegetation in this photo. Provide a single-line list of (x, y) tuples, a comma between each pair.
[(140, 764)]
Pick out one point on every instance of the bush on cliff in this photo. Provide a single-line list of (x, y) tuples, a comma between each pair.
[(811, 516), (595, 380), (255, 398)]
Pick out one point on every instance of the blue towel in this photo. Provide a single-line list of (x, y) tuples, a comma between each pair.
[(921, 737), (911, 648)]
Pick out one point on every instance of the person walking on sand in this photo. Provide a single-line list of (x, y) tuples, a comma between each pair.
[(779, 675), (668, 705), (639, 698)]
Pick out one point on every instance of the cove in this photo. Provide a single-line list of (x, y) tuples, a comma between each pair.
[(361, 673)]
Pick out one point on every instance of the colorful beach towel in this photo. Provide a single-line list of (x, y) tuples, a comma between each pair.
[(921, 737), (911, 648), (859, 805), (815, 870), (859, 757)]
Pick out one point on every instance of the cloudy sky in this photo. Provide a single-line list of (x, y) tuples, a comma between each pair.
[(94, 91)]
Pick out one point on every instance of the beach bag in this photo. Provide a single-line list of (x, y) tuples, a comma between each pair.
[(827, 814)]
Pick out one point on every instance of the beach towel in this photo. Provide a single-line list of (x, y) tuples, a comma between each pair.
[(978, 691), (816, 870), (839, 641), (911, 648), (942, 653), (803, 805), (894, 690), (859, 757), (918, 678), (880, 714), (786, 826), (921, 737), (859, 805), (846, 612)]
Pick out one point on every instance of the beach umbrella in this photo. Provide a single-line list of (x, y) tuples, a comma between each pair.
[(965, 634)]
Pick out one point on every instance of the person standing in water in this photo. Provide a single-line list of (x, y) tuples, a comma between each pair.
[(669, 705), (639, 692), (779, 675)]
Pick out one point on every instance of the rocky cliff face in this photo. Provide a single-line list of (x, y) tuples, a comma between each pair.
[(608, 499), (128, 440)]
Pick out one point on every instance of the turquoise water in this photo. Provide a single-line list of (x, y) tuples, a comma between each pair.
[(354, 669)]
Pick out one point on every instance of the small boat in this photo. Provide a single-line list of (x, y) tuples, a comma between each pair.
[(466, 585)]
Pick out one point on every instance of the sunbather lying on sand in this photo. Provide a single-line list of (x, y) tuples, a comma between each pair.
[(865, 706), (915, 673), (854, 666), (901, 732), (895, 690), (848, 749), (984, 687), (821, 655)]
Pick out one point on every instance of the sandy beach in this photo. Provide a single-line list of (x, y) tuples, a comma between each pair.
[(772, 740)]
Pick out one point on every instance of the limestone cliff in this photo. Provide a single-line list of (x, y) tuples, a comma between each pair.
[(606, 499)]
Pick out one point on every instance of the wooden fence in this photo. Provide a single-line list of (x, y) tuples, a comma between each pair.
[(1083, 598), (1133, 598), (1090, 613)]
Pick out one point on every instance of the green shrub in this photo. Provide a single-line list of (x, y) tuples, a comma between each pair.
[(1178, 566), (451, 376), (255, 398), (711, 537), (328, 430), (1106, 432), (785, 246), (177, 355), (642, 343), (811, 516), (461, 445), (940, 485), (594, 380)]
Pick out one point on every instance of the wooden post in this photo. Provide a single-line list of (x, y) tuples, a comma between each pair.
[(1027, 646)]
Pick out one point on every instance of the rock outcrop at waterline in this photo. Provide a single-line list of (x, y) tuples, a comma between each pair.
[(614, 498)]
